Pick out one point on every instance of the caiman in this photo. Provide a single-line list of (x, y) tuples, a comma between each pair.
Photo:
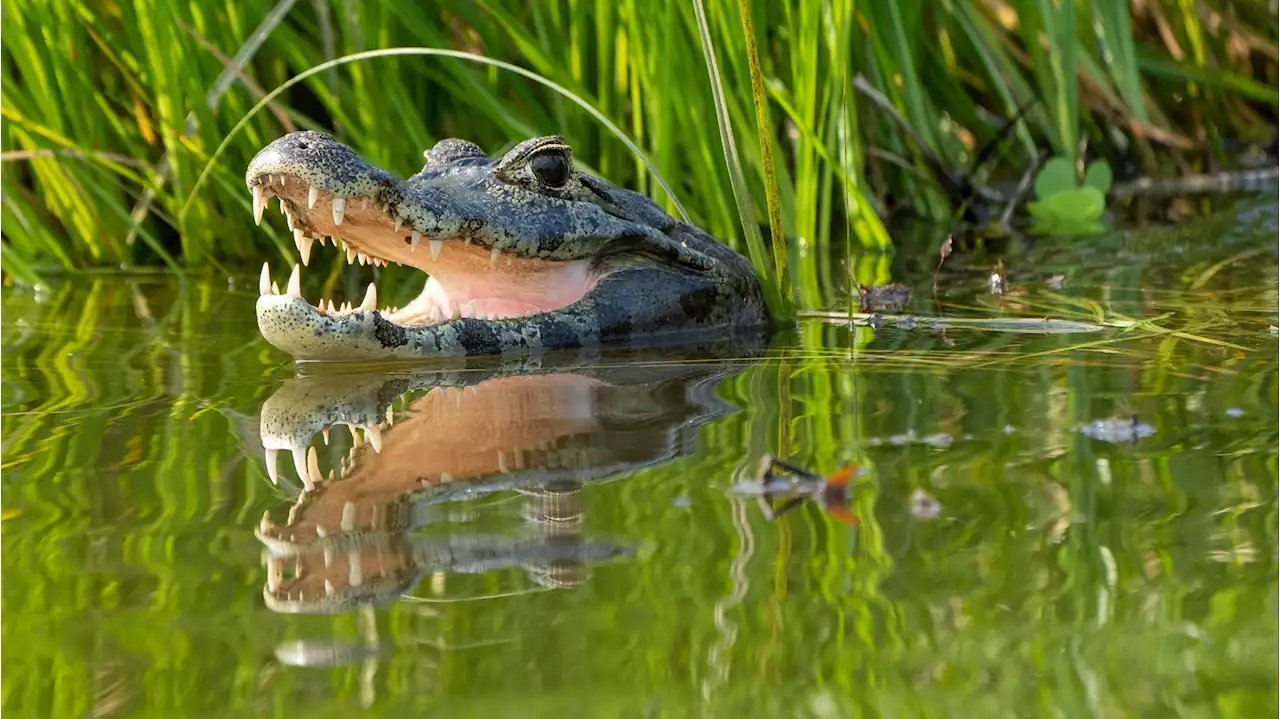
[(523, 253)]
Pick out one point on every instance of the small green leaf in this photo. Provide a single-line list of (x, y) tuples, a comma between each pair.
[(1081, 203), (1098, 176), (1056, 176)]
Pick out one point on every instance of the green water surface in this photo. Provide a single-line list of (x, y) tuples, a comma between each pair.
[(1074, 523)]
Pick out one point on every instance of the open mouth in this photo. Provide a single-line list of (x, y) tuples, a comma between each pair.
[(466, 280)]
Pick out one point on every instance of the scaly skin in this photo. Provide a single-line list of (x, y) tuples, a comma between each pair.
[(590, 263)]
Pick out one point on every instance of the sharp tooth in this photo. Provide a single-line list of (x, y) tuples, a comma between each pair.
[(370, 298), (346, 306), (321, 532), (266, 521), (469, 310), (415, 239), (339, 204), (502, 463), (348, 516), (271, 466), (275, 289), (373, 435), (295, 282), (446, 477), (264, 282), (351, 255), (332, 309), (328, 555), (313, 194), (304, 246), (300, 465), (313, 466), (494, 254), (282, 179), (399, 221), (329, 588), (391, 419), (437, 246), (457, 311), (258, 204), (288, 216), (324, 434)]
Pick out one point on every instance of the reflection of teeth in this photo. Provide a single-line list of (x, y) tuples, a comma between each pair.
[(446, 477), (502, 463), (313, 194), (348, 516), (469, 310), (339, 205), (258, 204), (271, 466), (313, 466), (274, 571), (264, 282), (328, 555), (321, 532), (295, 282), (329, 588), (494, 254), (355, 572)]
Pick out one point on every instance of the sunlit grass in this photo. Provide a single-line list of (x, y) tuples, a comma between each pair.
[(110, 129)]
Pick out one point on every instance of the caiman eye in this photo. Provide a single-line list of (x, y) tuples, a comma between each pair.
[(551, 168)]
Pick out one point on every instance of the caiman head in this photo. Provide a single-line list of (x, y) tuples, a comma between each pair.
[(524, 252)]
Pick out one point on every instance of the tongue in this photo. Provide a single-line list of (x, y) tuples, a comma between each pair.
[(510, 287)]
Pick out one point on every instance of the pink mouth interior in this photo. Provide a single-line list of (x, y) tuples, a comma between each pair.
[(465, 279)]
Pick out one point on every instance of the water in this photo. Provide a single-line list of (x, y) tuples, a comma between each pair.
[(1078, 523)]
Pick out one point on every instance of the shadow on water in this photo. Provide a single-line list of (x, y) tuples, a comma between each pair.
[(1075, 518)]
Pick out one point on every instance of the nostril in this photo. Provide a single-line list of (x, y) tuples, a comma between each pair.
[(302, 144)]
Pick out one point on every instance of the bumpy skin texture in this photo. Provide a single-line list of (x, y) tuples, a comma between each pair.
[(652, 274)]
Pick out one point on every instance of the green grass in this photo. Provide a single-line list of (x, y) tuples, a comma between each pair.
[(112, 111)]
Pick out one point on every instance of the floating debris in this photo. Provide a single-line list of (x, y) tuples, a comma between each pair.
[(782, 487), (883, 298), (924, 506), (1117, 430), (997, 280)]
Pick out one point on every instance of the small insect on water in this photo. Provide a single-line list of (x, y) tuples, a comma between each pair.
[(781, 487)]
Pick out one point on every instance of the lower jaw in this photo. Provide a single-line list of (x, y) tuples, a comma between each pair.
[(291, 324)]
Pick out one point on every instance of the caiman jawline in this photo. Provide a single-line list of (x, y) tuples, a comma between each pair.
[(466, 280)]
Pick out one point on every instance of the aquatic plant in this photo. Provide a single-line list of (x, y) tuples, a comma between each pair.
[(112, 110)]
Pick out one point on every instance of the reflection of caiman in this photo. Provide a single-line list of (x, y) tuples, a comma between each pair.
[(522, 253), (542, 426)]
